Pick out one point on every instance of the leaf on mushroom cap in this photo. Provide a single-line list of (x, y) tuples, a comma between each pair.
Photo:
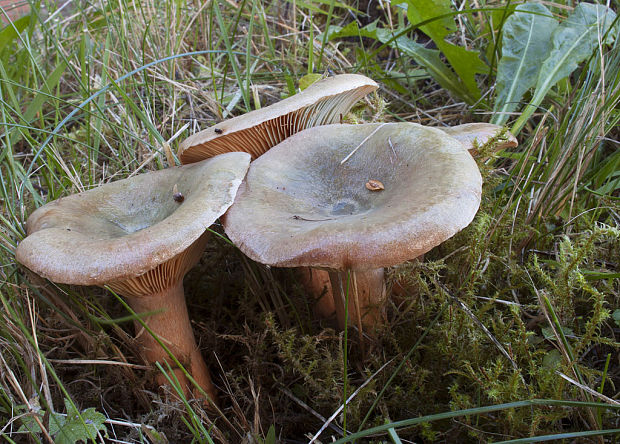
[(301, 206), (255, 132), (481, 133), (126, 228)]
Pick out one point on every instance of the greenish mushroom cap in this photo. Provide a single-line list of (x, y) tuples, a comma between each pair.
[(301, 205), (477, 134), (123, 229)]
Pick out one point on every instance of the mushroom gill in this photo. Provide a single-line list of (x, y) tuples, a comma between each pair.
[(322, 103)]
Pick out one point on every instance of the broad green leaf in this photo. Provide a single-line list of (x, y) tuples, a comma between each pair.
[(11, 31), (67, 428), (153, 435), (548, 332), (616, 316), (492, 27), (552, 359), (430, 59), (526, 44), (427, 58), (464, 62), (318, 10), (57, 421), (46, 91), (271, 435), (574, 41), (30, 424), (79, 427)]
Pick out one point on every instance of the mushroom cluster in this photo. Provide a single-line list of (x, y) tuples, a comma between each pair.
[(353, 199), (340, 202), (139, 237)]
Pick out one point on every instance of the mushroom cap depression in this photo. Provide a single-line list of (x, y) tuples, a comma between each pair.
[(123, 229), (322, 103), (300, 205)]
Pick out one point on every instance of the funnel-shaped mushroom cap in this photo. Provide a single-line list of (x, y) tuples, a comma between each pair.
[(470, 134), (301, 206), (255, 132), (126, 228)]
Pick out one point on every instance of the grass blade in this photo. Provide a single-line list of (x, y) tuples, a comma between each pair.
[(468, 412)]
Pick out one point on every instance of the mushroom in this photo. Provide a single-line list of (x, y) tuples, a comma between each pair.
[(472, 135), (305, 204), (139, 237), (322, 103), (317, 284)]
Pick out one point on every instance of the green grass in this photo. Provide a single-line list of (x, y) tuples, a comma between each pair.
[(497, 321)]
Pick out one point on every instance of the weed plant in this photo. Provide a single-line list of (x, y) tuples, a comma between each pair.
[(508, 332)]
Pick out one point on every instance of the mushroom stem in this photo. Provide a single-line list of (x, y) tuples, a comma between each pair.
[(366, 297), (168, 319), (317, 284)]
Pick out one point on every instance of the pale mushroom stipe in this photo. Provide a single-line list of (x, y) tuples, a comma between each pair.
[(139, 237), (300, 205)]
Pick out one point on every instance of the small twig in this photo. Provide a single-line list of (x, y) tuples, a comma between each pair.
[(98, 362), (361, 143), (311, 220), (46, 387), (501, 301), (588, 389), (110, 421), (169, 155), (31, 409), (229, 388), (392, 146), (353, 395), (305, 406), (178, 133)]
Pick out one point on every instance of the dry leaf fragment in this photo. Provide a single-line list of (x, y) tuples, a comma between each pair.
[(374, 185), (169, 155)]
